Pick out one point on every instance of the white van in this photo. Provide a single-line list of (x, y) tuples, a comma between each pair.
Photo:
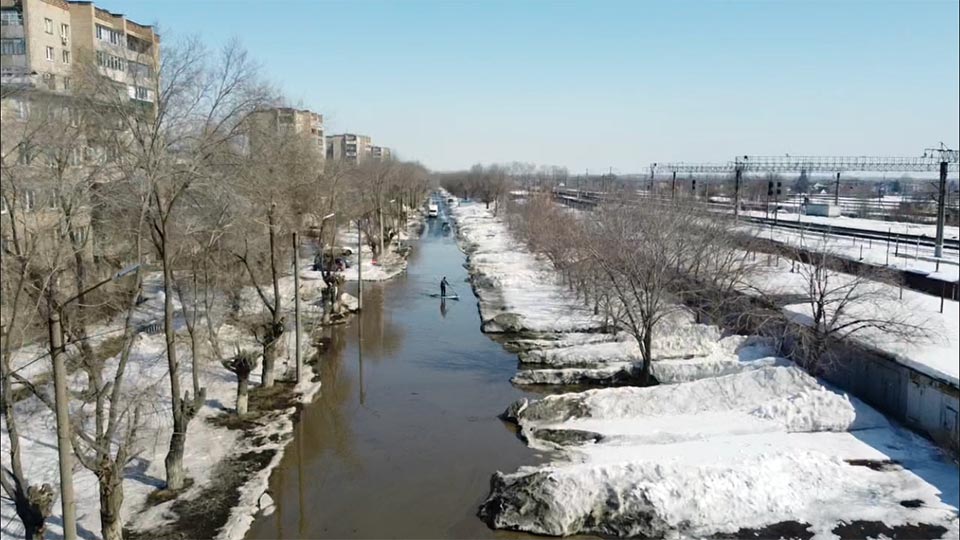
[(433, 210)]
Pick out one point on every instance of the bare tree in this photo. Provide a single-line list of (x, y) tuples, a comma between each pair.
[(846, 305), (50, 170), (173, 145), (242, 364)]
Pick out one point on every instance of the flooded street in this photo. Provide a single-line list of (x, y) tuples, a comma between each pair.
[(404, 436)]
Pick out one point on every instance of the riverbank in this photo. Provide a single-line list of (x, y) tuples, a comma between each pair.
[(228, 460), (739, 442)]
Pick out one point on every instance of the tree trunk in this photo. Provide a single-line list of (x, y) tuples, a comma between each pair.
[(380, 220), (111, 502), (243, 383), (33, 508), (276, 328), (647, 355), (174, 459), (269, 359)]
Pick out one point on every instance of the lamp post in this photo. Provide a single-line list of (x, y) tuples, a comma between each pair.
[(67, 502)]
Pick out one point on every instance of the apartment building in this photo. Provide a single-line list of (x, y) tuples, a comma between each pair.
[(380, 153), (44, 45), (290, 120), (349, 147), (43, 41)]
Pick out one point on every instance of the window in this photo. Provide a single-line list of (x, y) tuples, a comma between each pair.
[(50, 53), (11, 17), (138, 45), (139, 69), (140, 93), (48, 26), (66, 86), (66, 57), (109, 34), (110, 61), (22, 107), (13, 46), (64, 30)]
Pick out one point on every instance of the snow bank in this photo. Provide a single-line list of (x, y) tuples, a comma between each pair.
[(657, 499), (517, 292), (590, 354), (767, 399), (556, 341), (715, 456), (611, 374)]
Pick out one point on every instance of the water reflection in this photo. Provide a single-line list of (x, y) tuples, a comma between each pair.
[(443, 308)]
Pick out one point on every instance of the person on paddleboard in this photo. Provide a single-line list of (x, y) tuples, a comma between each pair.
[(443, 287)]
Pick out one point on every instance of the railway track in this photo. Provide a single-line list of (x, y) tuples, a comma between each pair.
[(590, 199), (866, 234)]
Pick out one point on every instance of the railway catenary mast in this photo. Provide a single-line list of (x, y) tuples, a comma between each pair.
[(941, 160)]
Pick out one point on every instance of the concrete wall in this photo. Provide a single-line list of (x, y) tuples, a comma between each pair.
[(923, 403)]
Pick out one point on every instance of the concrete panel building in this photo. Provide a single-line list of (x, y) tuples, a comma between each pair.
[(43, 40), (289, 120), (349, 147), (380, 153)]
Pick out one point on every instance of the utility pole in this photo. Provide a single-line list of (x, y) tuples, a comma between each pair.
[(63, 426), (941, 209), (836, 191), (945, 156), (673, 186), (61, 404), (738, 175), (296, 302)]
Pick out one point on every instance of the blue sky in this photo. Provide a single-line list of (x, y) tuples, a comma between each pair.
[(592, 85)]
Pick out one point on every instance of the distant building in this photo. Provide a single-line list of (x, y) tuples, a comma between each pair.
[(288, 120), (42, 40), (349, 147), (380, 153)]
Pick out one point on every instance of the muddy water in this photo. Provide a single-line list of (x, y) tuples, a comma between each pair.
[(404, 436)]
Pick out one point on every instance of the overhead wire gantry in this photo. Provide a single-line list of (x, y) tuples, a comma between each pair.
[(941, 159)]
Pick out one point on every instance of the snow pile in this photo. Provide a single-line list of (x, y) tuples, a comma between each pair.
[(613, 373), (683, 352), (556, 341), (589, 354), (517, 292), (767, 399), (657, 499), (715, 456), (684, 341)]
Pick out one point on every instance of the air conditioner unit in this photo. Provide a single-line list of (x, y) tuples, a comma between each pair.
[(64, 40)]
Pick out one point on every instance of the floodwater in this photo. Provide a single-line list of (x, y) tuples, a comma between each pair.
[(404, 436)]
